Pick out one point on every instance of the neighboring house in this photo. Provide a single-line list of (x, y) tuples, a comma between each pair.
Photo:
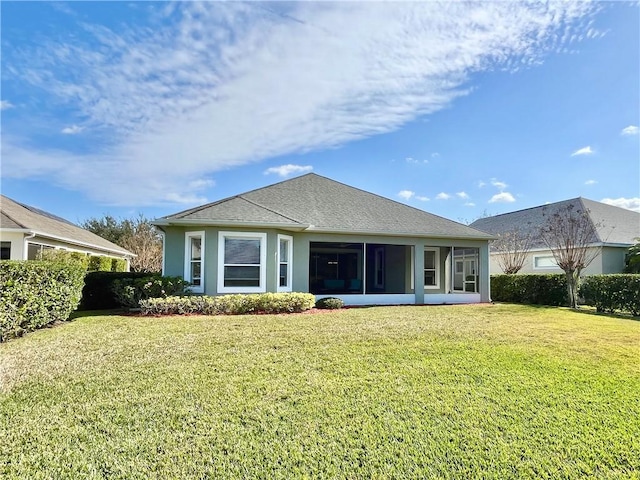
[(616, 230), (26, 231), (313, 234)]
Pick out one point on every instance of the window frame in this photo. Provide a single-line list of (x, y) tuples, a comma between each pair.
[(548, 267), (436, 268), (188, 260), (289, 263), (262, 237)]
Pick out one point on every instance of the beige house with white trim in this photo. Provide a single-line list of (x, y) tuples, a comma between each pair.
[(25, 231)]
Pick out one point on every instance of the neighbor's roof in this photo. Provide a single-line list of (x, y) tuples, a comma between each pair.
[(613, 225), (315, 203), (15, 215)]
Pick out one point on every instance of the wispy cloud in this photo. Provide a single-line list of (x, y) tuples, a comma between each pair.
[(630, 130), (6, 105), (422, 198), (406, 194), (590, 182), (502, 197), (443, 196), (214, 85), (469, 204), (463, 195), (498, 184), (415, 161), (628, 203), (72, 130), (289, 169), (583, 151), (481, 184)]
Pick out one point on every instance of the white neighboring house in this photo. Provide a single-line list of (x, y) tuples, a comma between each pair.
[(25, 231), (616, 230)]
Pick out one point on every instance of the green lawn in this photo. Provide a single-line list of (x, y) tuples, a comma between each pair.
[(495, 391)]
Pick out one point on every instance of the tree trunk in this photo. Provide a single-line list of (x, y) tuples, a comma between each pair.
[(573, 278)]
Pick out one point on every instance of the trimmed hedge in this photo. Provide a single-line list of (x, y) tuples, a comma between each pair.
[(546, 289), (37, 293), (329, 303), (97, 293), (610, 293), (229, 304), (100, 264), (129, 292)]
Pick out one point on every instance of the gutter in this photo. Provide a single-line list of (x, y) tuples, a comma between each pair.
[(34, 233)]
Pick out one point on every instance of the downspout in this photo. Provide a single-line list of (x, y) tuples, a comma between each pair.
[(25, 248)]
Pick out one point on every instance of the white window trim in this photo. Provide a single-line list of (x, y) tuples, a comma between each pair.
[(262, 288), (289, 286), (437, 268), (187, 259), (550, 267)]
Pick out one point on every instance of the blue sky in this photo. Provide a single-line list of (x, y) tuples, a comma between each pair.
[(460, 109)]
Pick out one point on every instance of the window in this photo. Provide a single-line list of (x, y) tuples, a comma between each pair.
[(285, 262), (35, 250), (544, 261), (242, 262), (465, 275), (5, 251), (431, 268), (194, 260)]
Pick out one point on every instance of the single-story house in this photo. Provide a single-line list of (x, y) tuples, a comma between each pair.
[(313, 234), (26, 231), (616, 229)]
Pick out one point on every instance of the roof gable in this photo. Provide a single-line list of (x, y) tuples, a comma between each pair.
[(319, 203), (612, 224), (15, 215)]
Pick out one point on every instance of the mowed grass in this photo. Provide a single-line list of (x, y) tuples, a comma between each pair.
[(495, 391)]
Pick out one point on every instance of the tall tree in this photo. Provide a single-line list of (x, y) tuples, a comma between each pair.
[(570, 234), (632, 259), (136, 235), (511, 249)]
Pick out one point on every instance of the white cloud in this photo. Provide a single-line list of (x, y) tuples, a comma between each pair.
[(443, 196), (583, 151), (498, 184), (72, 130), (415, 161), (289, 169), (462, 195), (406, 194), (421, 198), (214, 85), (481, 184), (590, 182), (469, 204), (502, 197), (435, 155), (201, 184), (6, 105), (628, 203), (630, 130)]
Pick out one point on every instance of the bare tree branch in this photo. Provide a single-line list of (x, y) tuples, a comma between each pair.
[(511, 248)]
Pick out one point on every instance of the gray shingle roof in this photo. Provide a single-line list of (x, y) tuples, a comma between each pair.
[(321, 204), (614, 224), (16, 215)]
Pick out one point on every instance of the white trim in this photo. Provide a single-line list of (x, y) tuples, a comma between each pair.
[(262, 237), (187, 259), (436, 250), (548, 267), (289, 286), (163, 234)]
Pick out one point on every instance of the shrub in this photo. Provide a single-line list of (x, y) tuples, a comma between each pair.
[(99, 263), (229, 304), (129, 291), (118, 265), (65, 256), (329, 303), (545, 289), (610, 293), (37, 293), (97, 293)]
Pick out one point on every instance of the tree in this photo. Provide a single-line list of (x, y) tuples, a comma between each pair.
[(136, 235), (632, 259), (511, 248), (570, 234)]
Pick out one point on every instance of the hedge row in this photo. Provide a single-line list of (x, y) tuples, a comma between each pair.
[(37, 293), (610, 293), (98, 293), (229, 304), (549, 289), (91, 263), (128, 292)]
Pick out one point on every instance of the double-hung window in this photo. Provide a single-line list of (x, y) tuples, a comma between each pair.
[(431, 268), (194, 260), (285, 262), (242, 262)]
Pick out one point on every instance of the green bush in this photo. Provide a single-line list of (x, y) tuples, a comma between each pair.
[(229, 304), (129, 291), (97, 293), (99, 263), (118, 265), (65, 256), (329, 303), (37, 293), (610, 293), (545, 289)]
